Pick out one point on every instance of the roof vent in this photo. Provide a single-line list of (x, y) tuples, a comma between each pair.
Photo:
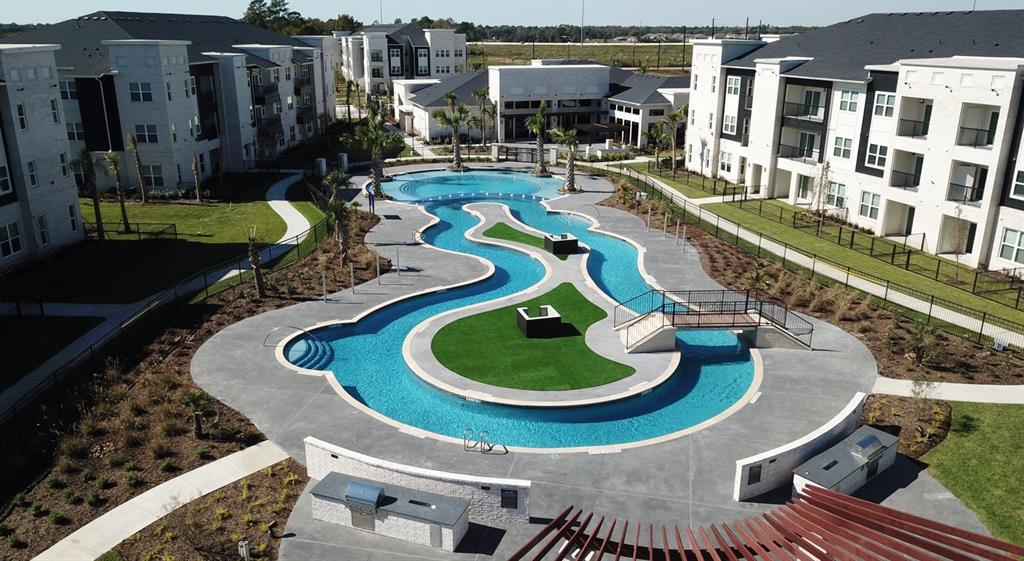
[(860, 21)]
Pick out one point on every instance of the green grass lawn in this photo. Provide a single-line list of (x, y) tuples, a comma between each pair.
[(127, 269), (502, 231), (981, 463), (489, 348), (807, 241), (28, 341), (646, 54), (691, 187)]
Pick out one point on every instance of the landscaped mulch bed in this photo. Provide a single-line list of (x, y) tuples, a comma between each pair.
[(920, 423), (901, 348), (128, 428)]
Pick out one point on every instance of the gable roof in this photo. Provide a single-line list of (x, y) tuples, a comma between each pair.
[(80, 37), (462, 84), (642, 89), (842, 50), (401, 32)]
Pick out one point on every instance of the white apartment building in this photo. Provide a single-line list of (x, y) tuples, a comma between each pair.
[(600, 101), (378, 55), (188, 87), (38, 198), (908, 125)]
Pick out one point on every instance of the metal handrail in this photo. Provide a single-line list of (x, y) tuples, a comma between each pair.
[(804, 110), (965, 193), (968, 136), (912, 128), (798, 152), (271, 332), (904, 180)]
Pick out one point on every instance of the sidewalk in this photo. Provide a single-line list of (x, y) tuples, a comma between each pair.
[(977, 393), (104, 533)]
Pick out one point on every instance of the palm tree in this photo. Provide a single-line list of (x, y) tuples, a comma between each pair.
[(88, 167), (113, 164), (459, 117), (349, 84), (198, 404), (133, 144), (488, 113), (254, 262), (657, 137), (450, 98), (375, 138), (195, 177), (483, 97), (673, 119), (537, 124), (568, 139)]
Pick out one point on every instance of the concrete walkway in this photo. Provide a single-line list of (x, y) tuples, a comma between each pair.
[(104, 533), (116, 315), (977, 393)]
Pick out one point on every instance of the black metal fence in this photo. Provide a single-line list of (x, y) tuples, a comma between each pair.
[(138, 230)]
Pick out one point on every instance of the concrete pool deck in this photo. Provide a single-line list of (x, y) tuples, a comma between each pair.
[(684, 481)]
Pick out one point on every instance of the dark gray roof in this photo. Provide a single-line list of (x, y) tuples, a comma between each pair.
[(401, 32), (432, 508), (80, 37), (462, 84), (643, 88), (841, 51), (821, 470)]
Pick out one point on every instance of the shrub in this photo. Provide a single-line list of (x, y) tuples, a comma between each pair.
[(72, 498), (19, 500), (37, 509), (4, 529), (88, 475), (67, 467), (171, 428), (129, 466), (166, 466), (291, 479), (131, 440), (159, 450), (54, 482), (132, 480), (14, 542), (93, 499), (202, 452), (75, 447), (103, 482), (58, 518)]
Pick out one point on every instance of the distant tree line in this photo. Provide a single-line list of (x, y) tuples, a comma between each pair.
[(12, 28)]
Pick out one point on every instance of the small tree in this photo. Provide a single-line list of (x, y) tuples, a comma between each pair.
[(348, 98), (459, 117), (657, 138), (133, 144), (490, 114), (821, 186), (673, 120), (538, 125), (254, 261), (921, 342), (113, 163), (88, 167), (568, 139), (338, 210), (374, 137), (198, 405), (195, 177), (483, 97)]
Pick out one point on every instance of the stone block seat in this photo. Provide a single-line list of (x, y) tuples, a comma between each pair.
[(547, 324)]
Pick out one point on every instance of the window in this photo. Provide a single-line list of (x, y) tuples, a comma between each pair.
[(869, 203), (711, 120), (22, 117), (287, 73), (754, 475), (10, 239), (277, 108), (140, 91), (732, 85), (186, 88), (693, 117), (202, 163), (146, 134), (843, 147), (1011, 248), (1017, 190), (378, 73), (5, 181), (725, 162), (307, 99), (885, 104), (169, 92), (652, 112), (848, 100), (714, 83), (309, 130), (75, 131), (33, 179), (275, 75), (73, 215), (152, 176), (41, 226), (803, 190), (280, 141), (694, 82), (62, 161), (729, 124), (55, 110), (291, 133), (376, 56), (291, 103), (174, 131), (876, 156), (836, 195), (68, 89), (79, 172)]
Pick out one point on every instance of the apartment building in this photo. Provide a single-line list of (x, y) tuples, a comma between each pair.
[(38, 197), (190, 88), (905, 124), (378, 55), (600, 101)]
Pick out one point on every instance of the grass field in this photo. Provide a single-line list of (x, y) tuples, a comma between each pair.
[(489, 348), (127, 269), (809, 242), (29, 341), (623, 55), (981, 461), (502, 231), (690, 187)]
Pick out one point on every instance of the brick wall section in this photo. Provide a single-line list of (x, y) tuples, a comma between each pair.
[(482, 493)]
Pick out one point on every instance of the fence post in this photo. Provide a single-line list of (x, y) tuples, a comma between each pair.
[(760, 236), (981, 328), (931, 304)]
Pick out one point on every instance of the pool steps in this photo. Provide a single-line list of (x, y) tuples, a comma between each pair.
[(313, 355)]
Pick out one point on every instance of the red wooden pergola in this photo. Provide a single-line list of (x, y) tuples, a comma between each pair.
[(816, 525)]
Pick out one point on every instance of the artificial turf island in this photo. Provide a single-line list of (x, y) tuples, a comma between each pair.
[(502, 231), (489, 348)]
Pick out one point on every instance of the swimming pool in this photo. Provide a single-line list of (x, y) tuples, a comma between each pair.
[(366, 358)]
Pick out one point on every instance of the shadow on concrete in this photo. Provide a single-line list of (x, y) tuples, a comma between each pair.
[(774, 497), (480, 539), (902, 473)]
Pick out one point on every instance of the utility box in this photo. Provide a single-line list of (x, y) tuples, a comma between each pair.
[(561, 244)]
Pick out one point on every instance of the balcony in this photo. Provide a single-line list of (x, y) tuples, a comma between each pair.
[(307, 114), (967, 194), (904, 180), (266, 94), (912, 128), (978, 124), (804, 111), (800, 153), (967, 136), (967, 183), (268, 126), (303, 83), (915, 115)]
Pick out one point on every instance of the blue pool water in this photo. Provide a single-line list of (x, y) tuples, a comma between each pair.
[(715, 371)]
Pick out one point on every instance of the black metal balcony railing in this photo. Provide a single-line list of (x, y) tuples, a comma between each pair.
[(973, 137), (265, 94), (744, 139), (804, 111), (969, 194), (798, 152), (307, 114), (268, 125), (912, 128), (904, 180)]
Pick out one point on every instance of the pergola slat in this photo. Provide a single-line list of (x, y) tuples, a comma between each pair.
[(579, 532), (590, 540)]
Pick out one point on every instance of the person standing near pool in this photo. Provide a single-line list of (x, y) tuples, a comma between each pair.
[(369, 194)]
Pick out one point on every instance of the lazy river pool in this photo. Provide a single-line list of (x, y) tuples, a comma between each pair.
[(366, 357)]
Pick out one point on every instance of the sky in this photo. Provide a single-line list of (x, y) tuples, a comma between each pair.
[(523, 12)]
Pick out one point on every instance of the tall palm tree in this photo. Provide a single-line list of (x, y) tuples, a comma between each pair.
[(349, 84), (88, 167), (491, 114), (459, 117), (658, 138), (482, 96), (113, 163), (374, 137), (198, 404), (254, 262), (487, 114), (195, 177), (133, 144), (568, 139), (537, 124), (672, 120), (450, 98)]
